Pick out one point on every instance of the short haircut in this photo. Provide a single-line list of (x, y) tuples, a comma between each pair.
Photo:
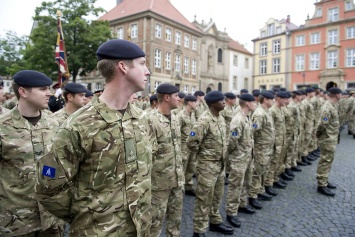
[(65, 95), (15, 88), (242, 103), (261, 99), (160, 96), (106, 67)]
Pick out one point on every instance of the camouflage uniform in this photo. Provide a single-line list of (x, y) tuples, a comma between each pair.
[(302, 125), (351, 113), (240, 147), (293, 147), (290, 138), (98, 174), (308, 126), (327, 132), (264, 140), (228, 114), (60, 116), (208, 140), (177, 110), (21, 144), (167, 175), (343, 105), (10, 104), (200, 109), (278, 117), (186, 122), (3, 110)]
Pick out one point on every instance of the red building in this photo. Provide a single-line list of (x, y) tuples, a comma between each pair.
[(323, 49)]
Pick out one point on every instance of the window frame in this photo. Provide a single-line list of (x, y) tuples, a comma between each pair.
[(352, 57), (157, 58), (275, 45), (187, 41), (158, 30), (330, 64), (277, 65), (168, 35), (314, 61), (118, 29), (167, 60), (300, 64), (263, 47), (134, 31), (263, 67), (178, 39), (300, 42), (332, 15), (177, 63), (333, 38), (313, 38)]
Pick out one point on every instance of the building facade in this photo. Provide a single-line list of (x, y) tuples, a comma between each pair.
[(323, 50), (272, 55)]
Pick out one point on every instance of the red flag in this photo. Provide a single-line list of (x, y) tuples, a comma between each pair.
[(60, 55)]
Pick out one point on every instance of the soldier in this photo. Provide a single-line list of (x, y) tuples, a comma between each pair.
[(327, 133), (317, 105), (56, 101), (25, 135), (351, 114), (240, 147), (301, 106), (74, 97), (201, 104), (153, 104), (167, 169), (88, 96), (264, 140), (208, 140), (256, 94), (308, 126), (98, 174), (180, 105), (187, 119), (2, 109), (244, 91)]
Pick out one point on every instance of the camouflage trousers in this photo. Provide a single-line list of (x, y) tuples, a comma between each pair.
[(209, 195), (239, 183), (51, 232), (351, 124), (325, 163), (189, 163), (261, 162), (300, 145), (169, 203), (313, 144), (285, 161), (293, 151), (272, 175), (306, 144)]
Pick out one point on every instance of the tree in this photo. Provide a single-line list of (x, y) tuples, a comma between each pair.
[(82, 36), (11, 47)]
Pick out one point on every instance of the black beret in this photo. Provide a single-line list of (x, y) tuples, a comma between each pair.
[(75, 88), (89, 93), (119, 49), (98, 91), (272, 92), (267, 94), (275, 90), (214, 96), (166, 88), (303, 92), (1, 82), (181, 95), (256, 92), (244, 91), (309, 89), (288, 94), (230, 95), (334, 90), (283, 89), (247, 97), (30, 78), (190, 98), (199, 93), (282, 94), (153, 97), (296, 92), (315, 87)]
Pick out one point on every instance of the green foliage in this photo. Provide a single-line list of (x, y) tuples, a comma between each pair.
[(82, 36)]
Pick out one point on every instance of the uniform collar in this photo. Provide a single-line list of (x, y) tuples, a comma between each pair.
[(21, 122)]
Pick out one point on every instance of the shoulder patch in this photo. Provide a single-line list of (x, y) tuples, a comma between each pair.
[(234, 134), (325, 119), (192, 134), (48, 171), (255, 125)]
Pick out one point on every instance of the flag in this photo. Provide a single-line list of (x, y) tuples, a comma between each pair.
[(60, 55)]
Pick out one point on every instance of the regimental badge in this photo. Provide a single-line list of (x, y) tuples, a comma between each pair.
[(192, 134), (255, 125), (325, 119), (234, 134), (48, 171)]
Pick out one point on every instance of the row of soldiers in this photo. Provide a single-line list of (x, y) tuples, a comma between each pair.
[(110, 169)]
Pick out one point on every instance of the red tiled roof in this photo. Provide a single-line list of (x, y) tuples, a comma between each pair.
[(232, 44), (161, 7)]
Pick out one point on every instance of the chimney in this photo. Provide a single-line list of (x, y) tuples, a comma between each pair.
[(288, 19), (118, 1)]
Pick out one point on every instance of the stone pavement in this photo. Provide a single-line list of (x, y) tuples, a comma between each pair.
[(299, 210)]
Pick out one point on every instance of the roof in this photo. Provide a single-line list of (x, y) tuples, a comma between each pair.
[(161, 7), (289, 25), (232, 44)]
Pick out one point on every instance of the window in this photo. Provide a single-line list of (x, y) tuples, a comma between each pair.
[(350, 57), (158, 31), (156, 84), (299, 62), (186, 88), (263, 49), (300, 40), (235, 60), (278, 30), (350, 32), (350, 85), (193, 66), (99, 86), (167, 60), (220, 54), (333, 37), (348, 6), (332, 59), (194, 43), (168, 34), (187, 41), (193, 89), (333, 14), (157, 58), (246, 63), (235, 82), (270, 29), (186, 65), (262, 67), (134, 31), (177, 63), (276, 46), (120, 33), (263, 34), (276, 65), (315, 38), (319, 12), (314, 60), (177, 37)]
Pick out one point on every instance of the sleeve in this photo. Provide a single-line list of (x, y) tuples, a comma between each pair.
[(56, 173), (235, 133), (257, 121), (323, 120), (197, 134)]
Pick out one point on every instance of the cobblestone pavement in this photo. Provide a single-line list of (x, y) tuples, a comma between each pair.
[(299, 210)]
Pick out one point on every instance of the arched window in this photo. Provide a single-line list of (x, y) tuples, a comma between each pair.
[(220, 54), (220, 86), (208, 89)]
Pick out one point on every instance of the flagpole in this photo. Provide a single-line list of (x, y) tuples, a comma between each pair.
[(66, 75)]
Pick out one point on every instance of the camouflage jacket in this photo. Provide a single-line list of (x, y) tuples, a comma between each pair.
[(202, 107), (21, 144), (289, 122), (186, 122), (60, 116), (328, 124), (296, 115), (167, 170), (97, 176), (3, 110), (309, 117), (241, 141), (263, 124), (302, 116), (278, 117), (177, 110), (317, 105), (228, 114), (208, 138)]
